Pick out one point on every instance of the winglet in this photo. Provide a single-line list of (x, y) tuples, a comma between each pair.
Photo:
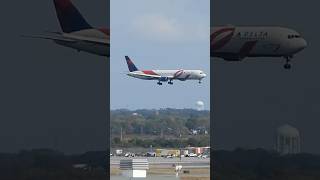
[(130, 64), (69, 17)]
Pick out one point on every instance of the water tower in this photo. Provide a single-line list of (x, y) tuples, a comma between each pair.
[(288, 140), (200, 105)]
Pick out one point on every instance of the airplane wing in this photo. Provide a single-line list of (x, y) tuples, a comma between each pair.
[(149, 76), (161, 78)]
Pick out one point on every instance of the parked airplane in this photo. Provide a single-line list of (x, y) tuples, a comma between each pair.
[(77, 32), (164, 75), (236, 43)]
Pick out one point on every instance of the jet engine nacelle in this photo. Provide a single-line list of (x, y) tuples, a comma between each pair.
[(233, 58), (163, 79)]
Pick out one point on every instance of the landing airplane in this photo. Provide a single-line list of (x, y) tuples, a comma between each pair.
[(236, 43), (164, 75), (77, 32)]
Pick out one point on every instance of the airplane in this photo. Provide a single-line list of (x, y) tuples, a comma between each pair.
[(236, 43), (77, 33), (164, 75)]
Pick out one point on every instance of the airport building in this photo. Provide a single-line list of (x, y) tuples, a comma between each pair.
[(198, 150), (166, 152), (184, 151)]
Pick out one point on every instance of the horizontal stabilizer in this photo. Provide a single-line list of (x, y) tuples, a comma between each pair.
[(54, 38)]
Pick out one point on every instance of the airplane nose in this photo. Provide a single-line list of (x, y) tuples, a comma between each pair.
[(299, 45), (304, 44), (204, 75)]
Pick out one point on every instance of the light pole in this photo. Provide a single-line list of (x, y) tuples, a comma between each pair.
[(180, 139)]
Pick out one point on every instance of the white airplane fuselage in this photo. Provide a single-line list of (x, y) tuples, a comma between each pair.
[(236, 43), (164, 75), (167, 75)]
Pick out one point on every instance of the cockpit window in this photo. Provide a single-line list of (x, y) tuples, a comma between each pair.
[(291, 36)]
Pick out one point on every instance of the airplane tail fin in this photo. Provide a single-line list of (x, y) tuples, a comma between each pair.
[(69, 17), (131, 66)]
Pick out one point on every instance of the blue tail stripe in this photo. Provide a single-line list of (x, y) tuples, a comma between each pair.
[(130, 64), (69, 17)]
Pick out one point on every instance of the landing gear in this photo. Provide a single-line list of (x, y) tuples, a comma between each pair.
[(159, 83), (199, 81), (287, 65), (170, 82)]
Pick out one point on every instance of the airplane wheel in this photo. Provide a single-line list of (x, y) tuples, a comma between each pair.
[(287, 66), (159, 83)]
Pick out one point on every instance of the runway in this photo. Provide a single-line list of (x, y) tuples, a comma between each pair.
[(160, 162)]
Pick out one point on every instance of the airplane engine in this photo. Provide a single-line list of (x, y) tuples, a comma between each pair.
[(163, 79), (233, 58)]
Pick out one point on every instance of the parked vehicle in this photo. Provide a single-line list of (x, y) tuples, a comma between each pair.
[(129, 154), (191, 155)]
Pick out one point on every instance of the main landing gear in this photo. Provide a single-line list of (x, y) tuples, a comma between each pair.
[(170, 82), (287, 65), (159, 83)]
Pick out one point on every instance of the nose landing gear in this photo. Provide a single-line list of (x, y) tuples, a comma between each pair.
[(287, 65)]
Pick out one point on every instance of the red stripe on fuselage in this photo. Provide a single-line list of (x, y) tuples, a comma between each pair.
[(178, 73), (105, 31), (247, 48), (222, 42), (63, 4), (149, 72)]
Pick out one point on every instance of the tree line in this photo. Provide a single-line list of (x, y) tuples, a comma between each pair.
[(259, 164), (39, 164), (159, 128), (155, 122)]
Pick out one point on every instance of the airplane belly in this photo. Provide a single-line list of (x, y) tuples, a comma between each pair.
[(231, 47), (250, 48), (233, 51), (266, 49)]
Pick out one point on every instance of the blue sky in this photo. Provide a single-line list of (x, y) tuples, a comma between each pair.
[(162, 34)]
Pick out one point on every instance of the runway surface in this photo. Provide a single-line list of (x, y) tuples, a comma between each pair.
[(186, 162)]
